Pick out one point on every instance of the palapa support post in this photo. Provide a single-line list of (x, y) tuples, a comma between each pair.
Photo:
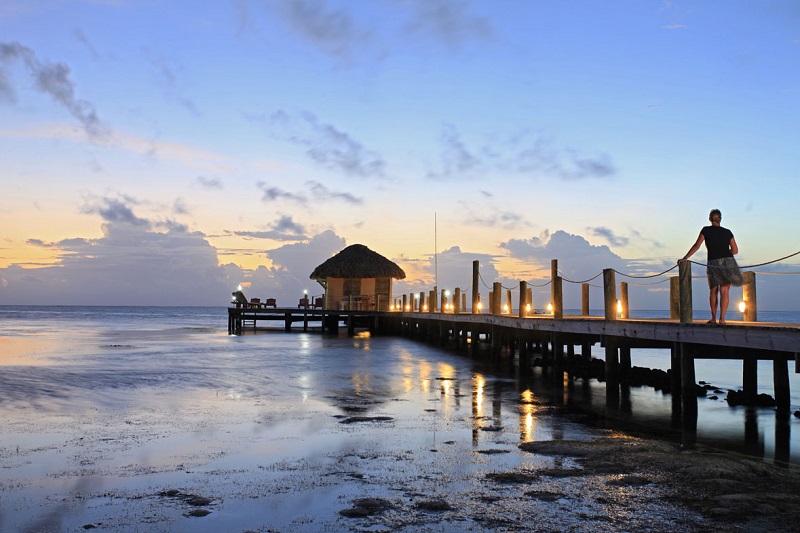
[(585, 299), (523, 299), (476, 298), (674, 298), (749, 297), (685, 277), (610, 292), (623, 299)]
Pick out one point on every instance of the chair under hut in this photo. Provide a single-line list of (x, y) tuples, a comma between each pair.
[(357, 278)]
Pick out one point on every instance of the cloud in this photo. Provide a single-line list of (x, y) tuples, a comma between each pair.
[(609, 235), (81, 37), (332, 31), (321, 192), (209, 183), (520, 154), (328, 146), (578, 259), (449, 21), (283, 229), (129, 265), (271, 194), (167, 74), (115, 211), (52, 79)]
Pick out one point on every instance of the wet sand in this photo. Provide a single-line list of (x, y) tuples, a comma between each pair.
[(301, 433), (355, 464)]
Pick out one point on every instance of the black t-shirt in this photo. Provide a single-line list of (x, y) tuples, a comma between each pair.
[(718, 241)]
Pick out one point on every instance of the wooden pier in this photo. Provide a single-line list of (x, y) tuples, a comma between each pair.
[(557, 339)]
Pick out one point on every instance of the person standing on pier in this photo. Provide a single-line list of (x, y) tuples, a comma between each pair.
[(721, 267)]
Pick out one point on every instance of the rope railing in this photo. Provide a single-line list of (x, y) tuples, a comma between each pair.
[(490, 287)]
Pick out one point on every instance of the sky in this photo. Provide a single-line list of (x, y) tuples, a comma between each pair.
[(162, 153)]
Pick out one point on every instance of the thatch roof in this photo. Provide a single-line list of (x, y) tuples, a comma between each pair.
[(358, 261)]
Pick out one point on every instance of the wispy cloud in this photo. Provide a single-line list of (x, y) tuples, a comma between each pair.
[(332, 31), (52, 79), (449, 21), (522, 154), (321, 192), (271, 193), (167, 74), (209, 183), (283, 229), (609, 235), (327, 145)]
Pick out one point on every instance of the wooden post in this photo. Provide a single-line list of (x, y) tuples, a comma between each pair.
[(508, 301), (404, 303), (497, 298), (623, 299), (685, 277), (463, 302), (610, 292), (457, 301), (585, 299), (433, 299), (529, 300), (555, 290), (491, 303), (749, 297), (422, 301), (523, 299), (443, 304), (780, 373), (674, 298), (750, 378), (475, 280), (558, 298)]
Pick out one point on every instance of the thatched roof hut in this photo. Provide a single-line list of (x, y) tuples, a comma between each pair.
[(357, 276), (358, 261)]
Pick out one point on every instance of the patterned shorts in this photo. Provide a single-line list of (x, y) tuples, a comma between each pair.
[(723, 271)]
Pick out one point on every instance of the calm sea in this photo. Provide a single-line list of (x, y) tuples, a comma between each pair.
[(54, 359)]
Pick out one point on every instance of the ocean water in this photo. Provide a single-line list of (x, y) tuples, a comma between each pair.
[(162, 391)]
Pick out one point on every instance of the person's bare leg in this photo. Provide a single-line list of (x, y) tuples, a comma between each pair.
[(724, 298), (712, 302)]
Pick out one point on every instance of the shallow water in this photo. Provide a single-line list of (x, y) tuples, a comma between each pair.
[(105, 409)]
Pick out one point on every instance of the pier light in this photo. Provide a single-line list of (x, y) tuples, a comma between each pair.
[(505, 308), (239, 288), (742, 307), (408, 307), (550, 308), (425, 308), (528, 307), (480, 306), (619, 307)]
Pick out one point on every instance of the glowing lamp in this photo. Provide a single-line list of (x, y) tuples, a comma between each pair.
[(550, 308), (480, 306), (528, 307), (425, 307), (619, 307), (742, 307), (505, 308), (239, 288), (408, 307)]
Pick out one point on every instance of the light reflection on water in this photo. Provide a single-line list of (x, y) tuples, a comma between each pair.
[(146, 395)]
